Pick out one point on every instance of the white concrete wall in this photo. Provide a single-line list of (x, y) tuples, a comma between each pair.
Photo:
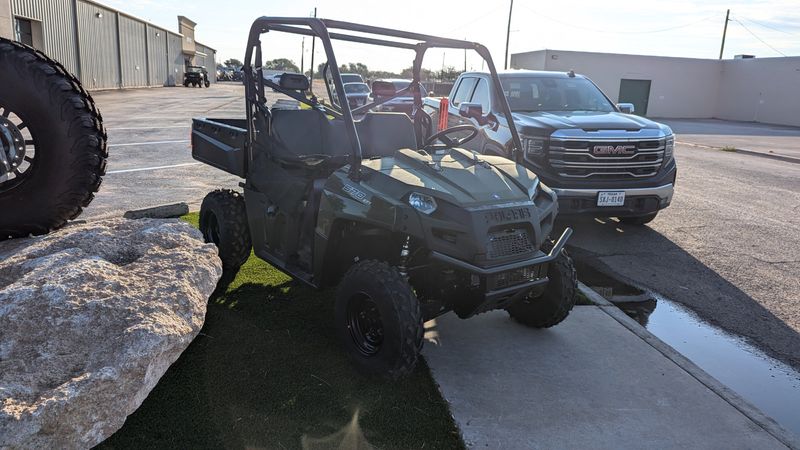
[(680, 87), (761, 90)]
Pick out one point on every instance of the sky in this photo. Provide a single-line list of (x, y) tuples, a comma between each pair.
[(765, 28)]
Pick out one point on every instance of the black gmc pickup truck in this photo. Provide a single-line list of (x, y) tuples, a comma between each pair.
[(599, 158)]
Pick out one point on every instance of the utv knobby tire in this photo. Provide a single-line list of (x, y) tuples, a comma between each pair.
[(69, 141), (400, 316), (552, 307), (638, 220), (223, 221), (207, 83)]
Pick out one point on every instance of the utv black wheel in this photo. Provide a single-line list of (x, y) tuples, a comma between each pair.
[(185, 84), (207, 83), (52, 143), (378, 320), (223, 221), (554, 305), (638, 220)]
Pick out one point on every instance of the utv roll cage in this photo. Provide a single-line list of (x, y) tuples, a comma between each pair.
[(255, 98)]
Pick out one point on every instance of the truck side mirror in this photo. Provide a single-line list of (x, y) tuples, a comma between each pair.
[(626, 108), (471, 111)]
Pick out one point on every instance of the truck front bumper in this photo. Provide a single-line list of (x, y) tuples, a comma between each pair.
[(638, 201), (503, 284)]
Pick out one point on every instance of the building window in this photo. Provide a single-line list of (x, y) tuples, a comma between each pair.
[(24, 31)]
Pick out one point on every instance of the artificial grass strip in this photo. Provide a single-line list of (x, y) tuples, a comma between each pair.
[(267, 371)]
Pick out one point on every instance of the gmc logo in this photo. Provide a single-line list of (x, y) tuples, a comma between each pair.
[(613, 150)]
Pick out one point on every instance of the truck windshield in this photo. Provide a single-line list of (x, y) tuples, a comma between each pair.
[(356, 88), (531, 94)]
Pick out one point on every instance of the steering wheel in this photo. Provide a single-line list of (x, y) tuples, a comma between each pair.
[(447, 142)]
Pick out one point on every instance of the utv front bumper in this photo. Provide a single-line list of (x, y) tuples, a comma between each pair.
[(501, 285)]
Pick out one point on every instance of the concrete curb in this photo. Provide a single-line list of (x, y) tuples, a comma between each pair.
[(745, 152), (743, 406), (159, 212)]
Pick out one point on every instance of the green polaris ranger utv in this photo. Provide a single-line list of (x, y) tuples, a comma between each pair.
[(403, 221)]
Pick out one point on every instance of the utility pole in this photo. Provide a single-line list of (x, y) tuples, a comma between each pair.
[(465, 57), (303, 55), (311, 88), (508, 34), (724, 32)]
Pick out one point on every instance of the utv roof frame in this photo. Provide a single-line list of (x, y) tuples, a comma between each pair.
[(316, 27)]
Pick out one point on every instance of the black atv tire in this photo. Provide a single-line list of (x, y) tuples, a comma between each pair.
[(552, 307), (223, 222), (381, 290), (207, 83), (185, 84), (638, 220), (68, 139)]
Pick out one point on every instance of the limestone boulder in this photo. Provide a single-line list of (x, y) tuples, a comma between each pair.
[(91, 317)]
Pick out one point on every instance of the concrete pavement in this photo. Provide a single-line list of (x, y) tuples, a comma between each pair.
[(727, 248), (759, 138), (597, 380)]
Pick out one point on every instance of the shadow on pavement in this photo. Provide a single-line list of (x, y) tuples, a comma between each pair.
[(643, 257), (267, 371)]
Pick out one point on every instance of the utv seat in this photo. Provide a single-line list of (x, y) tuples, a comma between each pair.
[(383, 133)]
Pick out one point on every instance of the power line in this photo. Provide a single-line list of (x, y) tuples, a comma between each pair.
[(596, 30), (769, 26), (756, 36)]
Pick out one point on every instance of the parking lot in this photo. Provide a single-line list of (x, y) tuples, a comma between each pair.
[(726, 248)]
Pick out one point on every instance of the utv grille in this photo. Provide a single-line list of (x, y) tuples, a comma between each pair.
[(507, 243)]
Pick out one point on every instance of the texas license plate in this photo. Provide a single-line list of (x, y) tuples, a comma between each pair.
[(611, 198)]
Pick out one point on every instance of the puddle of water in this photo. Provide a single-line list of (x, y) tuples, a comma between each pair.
[(767, 383)]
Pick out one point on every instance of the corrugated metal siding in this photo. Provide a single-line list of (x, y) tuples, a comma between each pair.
[(133, 52), (98, 41), (58, 28), (176, 61), (157, 56), (205, 58)]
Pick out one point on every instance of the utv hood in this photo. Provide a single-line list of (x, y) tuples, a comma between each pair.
[(458, 176)]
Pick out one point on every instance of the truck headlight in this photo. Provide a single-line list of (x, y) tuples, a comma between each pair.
[(533, 146), (422, 202), (669, 148)]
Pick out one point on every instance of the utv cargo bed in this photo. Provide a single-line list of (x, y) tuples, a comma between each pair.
[(220, 143)]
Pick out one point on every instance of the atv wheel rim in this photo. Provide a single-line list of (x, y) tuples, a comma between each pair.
[(364, 324), (16, 150)]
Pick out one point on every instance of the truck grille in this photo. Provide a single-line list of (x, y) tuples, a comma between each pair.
[(606, 159), (507, 243)]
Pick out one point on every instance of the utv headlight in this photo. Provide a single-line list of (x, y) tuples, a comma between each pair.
[(422, 202), (534, 147), (669, 148)]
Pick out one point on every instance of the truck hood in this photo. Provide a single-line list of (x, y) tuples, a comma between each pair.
[(529, 123), (456, 175)]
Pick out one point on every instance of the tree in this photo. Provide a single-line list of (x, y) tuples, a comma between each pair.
[(282, 64), (233, 62)]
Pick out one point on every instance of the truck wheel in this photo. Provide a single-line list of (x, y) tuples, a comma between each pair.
[(638, 220), (52, 143), (223, 221), (378, 320), (554, 305)]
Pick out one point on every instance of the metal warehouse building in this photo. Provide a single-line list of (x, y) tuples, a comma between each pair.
[(748, 89), (104, 47)]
